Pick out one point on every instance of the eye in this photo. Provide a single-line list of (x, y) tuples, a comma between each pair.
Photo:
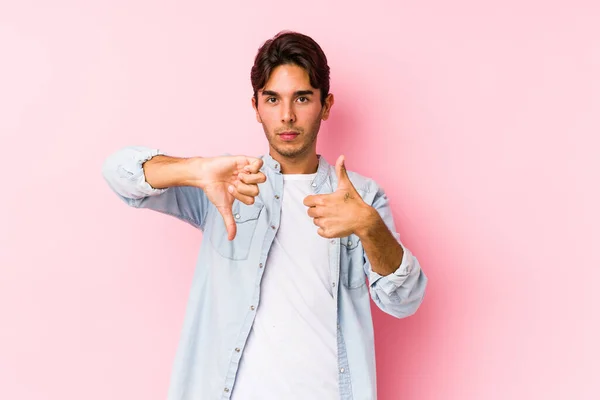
[(303, 99), (271, 100)]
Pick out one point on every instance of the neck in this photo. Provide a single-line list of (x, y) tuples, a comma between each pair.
[(301, 164)]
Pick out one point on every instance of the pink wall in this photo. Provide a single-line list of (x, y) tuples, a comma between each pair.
[(481, 122)]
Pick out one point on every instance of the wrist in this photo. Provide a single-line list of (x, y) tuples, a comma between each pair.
[(192, 171), (367, 219)]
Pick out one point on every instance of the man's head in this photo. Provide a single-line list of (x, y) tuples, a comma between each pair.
[(290, 78)]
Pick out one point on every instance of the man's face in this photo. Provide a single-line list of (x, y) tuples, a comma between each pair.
[(290, 111)]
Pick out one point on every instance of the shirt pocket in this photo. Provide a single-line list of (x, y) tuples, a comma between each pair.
[(352, 262), (246, 219)]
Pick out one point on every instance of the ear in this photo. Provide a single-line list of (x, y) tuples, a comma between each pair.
[(255, 106), (327, 106)]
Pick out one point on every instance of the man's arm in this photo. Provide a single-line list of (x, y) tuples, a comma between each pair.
[(163, 172), (395, 276), (381, 247), (396, 281), (145, 178), (184, 187)]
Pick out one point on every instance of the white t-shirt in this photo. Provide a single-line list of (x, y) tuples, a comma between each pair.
[(291, 352)]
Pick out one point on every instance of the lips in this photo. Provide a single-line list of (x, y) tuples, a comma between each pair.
[(287, 136)]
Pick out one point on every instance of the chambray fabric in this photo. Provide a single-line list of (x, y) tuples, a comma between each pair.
[(225, 292)]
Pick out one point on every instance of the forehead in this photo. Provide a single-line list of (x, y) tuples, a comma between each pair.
[(288, 78)]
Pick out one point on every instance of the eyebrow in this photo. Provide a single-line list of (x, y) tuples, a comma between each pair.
[(296, 93)]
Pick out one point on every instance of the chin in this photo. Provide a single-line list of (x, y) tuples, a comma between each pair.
[(292, 153)]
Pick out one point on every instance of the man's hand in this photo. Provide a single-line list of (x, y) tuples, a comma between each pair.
[(226, 178), (223, 179), (342, 212)]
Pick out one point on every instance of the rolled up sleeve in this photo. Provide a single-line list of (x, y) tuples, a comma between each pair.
[(400, 293), (123, 171)]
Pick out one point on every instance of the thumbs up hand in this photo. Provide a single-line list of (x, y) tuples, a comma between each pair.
[(342, 212)]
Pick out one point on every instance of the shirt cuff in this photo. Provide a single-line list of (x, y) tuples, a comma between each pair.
[(134, 171), (389, 283)]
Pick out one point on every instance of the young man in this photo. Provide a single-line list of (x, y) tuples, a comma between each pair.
[(279, 306)]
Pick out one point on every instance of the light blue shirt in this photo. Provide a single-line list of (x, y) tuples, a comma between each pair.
[(225, 291)]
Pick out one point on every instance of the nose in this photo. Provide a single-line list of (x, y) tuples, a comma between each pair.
[(287, 114)]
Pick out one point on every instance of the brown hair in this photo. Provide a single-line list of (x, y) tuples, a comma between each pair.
[(291, 48)]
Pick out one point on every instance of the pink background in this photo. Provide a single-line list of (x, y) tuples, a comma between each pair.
[(480, 121)]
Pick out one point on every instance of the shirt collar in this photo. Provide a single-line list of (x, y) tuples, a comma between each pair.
[(322, 169)]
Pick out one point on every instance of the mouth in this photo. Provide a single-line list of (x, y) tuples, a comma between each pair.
[(288, 136)]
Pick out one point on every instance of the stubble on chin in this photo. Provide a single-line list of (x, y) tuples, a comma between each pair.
[(292, 152)]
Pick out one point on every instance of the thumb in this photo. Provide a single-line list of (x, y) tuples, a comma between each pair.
[(229, 221), (342, 174)]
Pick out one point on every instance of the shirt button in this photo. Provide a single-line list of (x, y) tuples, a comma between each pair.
[(342, 370), (333, 284), (237, 216), (260, 265), (237, 349), (332, 241), (226, 389), (277, 196), (349, 243), (252, 307), (272, 226), (314, 185)]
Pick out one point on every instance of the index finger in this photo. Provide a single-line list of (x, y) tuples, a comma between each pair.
[(255, 164), (252, 178), (313, 200)]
